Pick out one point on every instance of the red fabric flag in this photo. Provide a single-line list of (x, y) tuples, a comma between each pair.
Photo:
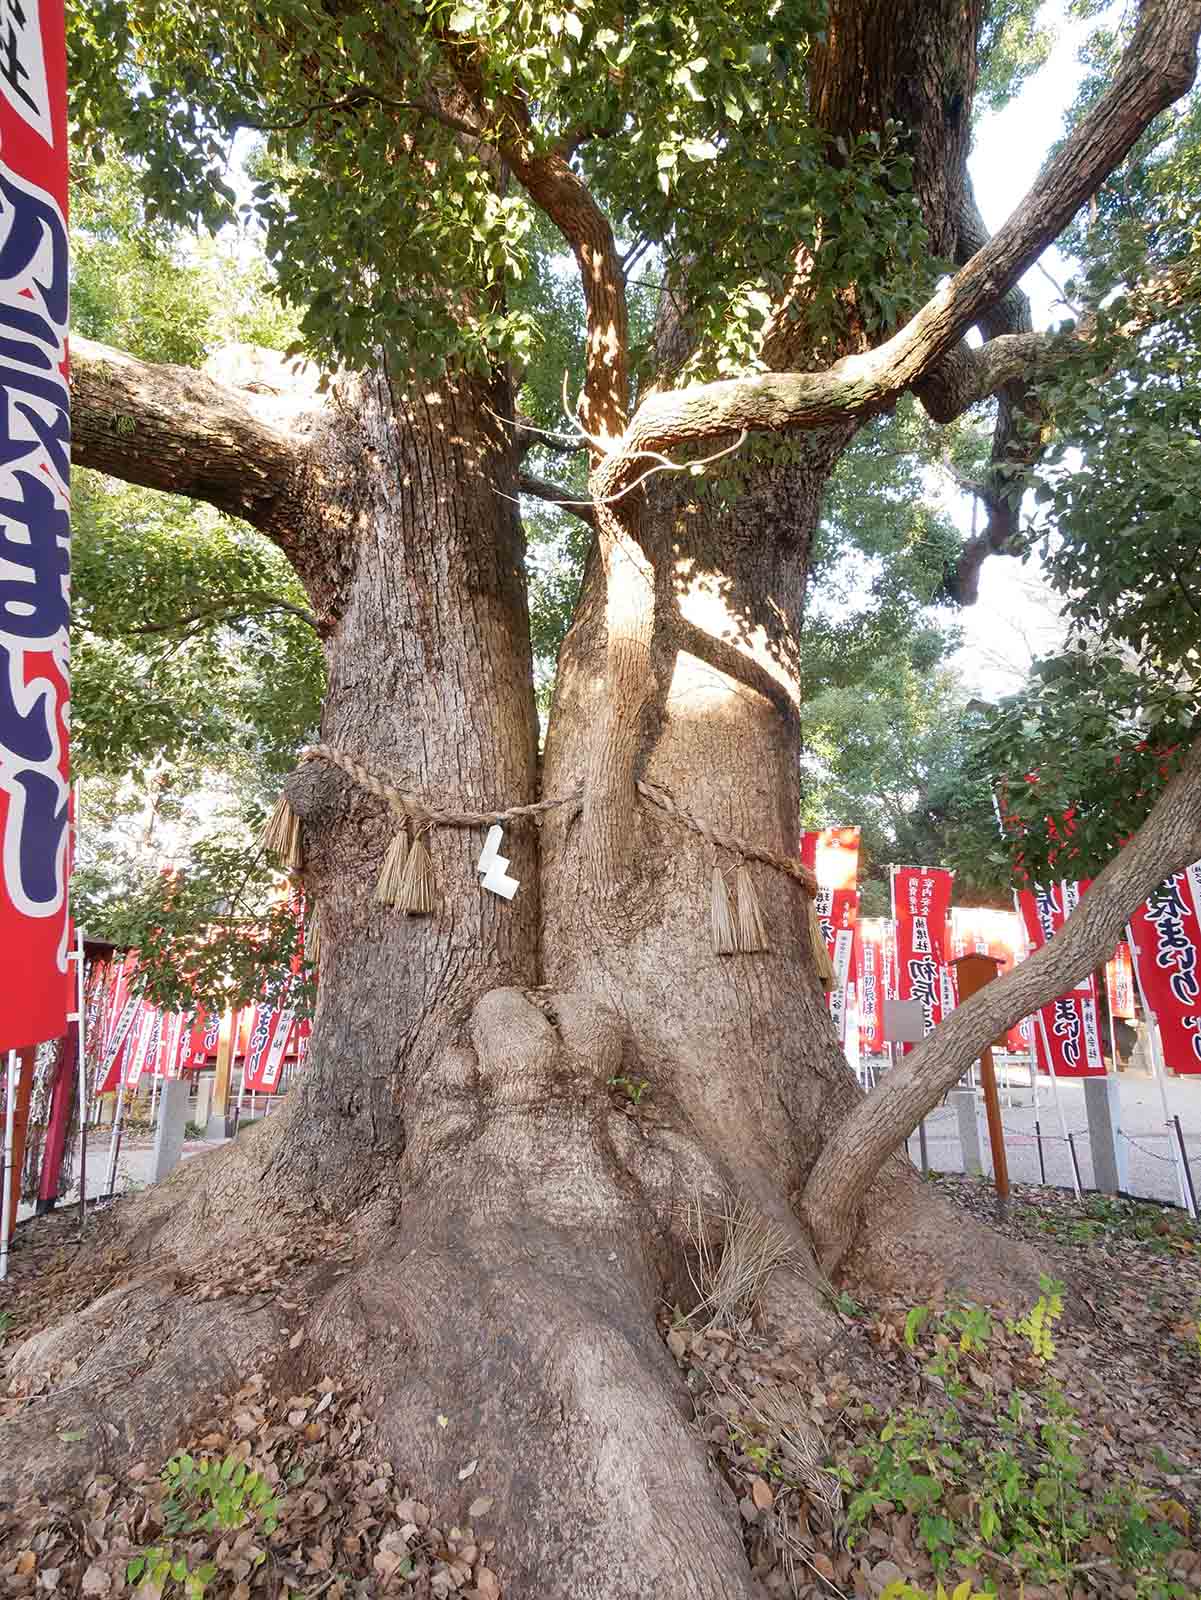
[(869, 976), (921, 909), (1119, 979), (1165, 942), (1068, 1036), (833, 855), (989, 931), (34, 528)]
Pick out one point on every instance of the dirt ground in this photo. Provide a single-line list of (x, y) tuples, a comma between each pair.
[(1054, 1455)]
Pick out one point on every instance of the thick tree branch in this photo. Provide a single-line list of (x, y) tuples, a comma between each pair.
[(1167, 842), (1158, 66), (171, 428), (556, 495)]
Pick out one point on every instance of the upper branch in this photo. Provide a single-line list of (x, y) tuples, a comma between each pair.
[(1158, 66), (171, 428)]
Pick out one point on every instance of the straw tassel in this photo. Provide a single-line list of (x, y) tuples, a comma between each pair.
[(721, 921), (751, 934), (389, 889), (312, 939), (821, 956), (418, 892), (281, 836)]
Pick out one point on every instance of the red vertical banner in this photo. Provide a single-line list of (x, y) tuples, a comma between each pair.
[(1119, 981), (1068, 1034), (35, 526), (921, 909), (1165, 942), (869, 977), (833, 854)]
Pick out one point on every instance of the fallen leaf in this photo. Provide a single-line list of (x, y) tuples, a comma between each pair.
[(761, 1494), (465, 1472), (480, 1507), (96, 1580), (296, 1340)]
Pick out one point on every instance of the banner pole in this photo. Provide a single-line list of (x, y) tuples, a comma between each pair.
[(10, 1110), (1159, 1071), (1058, 1104), (83, 1082), (114, 1151)]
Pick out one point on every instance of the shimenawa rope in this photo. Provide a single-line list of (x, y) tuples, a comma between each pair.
[(407, 877)]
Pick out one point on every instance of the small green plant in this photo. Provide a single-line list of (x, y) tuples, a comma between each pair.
[(1042, 1317), (903, 1590), (632, 1088), (6, 1322), (1004, 1496), (208, 1494), (193, 1130)]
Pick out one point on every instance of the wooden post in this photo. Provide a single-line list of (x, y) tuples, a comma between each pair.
[(974, 971), (226, 1043)]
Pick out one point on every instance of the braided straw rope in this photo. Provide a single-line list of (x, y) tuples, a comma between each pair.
[(405, 804)]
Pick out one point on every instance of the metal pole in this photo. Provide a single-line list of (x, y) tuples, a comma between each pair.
[(1075, 1163), (110, 1177), (921, 1140), (83, 1071), (1063, 1126), (1042, 1165), (10, 1117), (1188, 1171)]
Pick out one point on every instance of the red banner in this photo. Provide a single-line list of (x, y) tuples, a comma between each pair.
[(270, 1033), (1119, 981), (145, 1045), (921, 909), (1165, 941), (122, 1012), (869, 978), (1067, 1035), (34, 526), (833, 854)]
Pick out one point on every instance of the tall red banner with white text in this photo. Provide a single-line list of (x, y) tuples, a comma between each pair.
[(833, 854), (1067, 1032), (34, 525), (869, 979), (1119, 980), (1165, 942), (921, 909)]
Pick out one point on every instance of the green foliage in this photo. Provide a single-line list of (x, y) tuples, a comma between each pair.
[(386, 228), (1106, 1219), (632, 1088), (1104, 723), (205, 1495), (1013, 46), (1012, 1500)]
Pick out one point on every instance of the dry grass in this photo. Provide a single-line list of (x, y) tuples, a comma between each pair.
[(736, 1251)]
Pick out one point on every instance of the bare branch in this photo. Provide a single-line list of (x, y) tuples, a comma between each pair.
[(1167, 842), (554, 494), (231, 606)]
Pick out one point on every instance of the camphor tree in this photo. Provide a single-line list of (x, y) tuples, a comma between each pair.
[(797, 179)]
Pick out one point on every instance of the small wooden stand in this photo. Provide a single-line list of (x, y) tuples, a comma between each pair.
[(974, 971)]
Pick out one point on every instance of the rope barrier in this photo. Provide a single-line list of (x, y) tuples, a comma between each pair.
[(405, 803)]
